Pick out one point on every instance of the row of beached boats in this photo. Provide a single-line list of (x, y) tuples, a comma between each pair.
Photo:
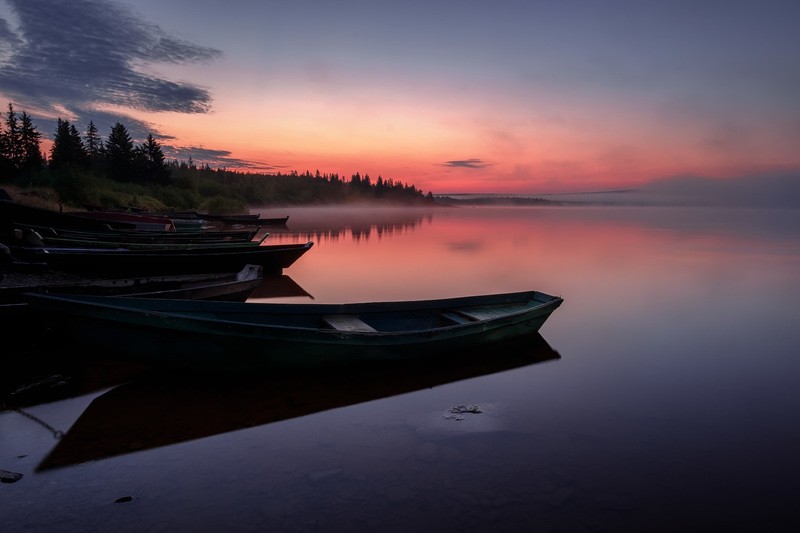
[(157, 296)]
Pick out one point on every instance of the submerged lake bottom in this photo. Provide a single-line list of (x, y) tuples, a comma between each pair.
[(660, 396)]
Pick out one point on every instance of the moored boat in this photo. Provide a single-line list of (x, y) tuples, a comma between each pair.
[(23, 327), (37, 239), (233, 336), (230, 235), (137, 221), (246, 219), (127, 262), (225, 286)]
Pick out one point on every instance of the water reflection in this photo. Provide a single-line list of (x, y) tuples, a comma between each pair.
[(162, 409), (36, 370), (674, 403), (281, 286), (334, 223)]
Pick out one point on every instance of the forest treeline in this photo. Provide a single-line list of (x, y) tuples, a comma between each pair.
[(83, 168)]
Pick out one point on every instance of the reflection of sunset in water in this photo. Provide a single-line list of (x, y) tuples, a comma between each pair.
[(410, 254)]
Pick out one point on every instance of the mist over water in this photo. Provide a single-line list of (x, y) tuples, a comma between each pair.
[(780, 191)]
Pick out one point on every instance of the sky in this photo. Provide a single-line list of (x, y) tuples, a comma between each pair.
[(461, 96)]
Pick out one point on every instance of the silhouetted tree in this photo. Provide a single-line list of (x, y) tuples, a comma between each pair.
[(93, 142), (30, 138), (119, 154), (20, 154), (68, 150), (152, 160), (12, 141)]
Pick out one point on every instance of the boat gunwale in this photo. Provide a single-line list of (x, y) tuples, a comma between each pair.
[(99, 308)]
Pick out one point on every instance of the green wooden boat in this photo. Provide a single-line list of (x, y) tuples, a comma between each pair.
[(152, 262), (70, 242), (237, 336), (133, 236), (23, 326)]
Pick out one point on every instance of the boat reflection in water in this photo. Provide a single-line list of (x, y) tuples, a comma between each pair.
[(280, 286), (337, 223), (162, 409), (37, 372)]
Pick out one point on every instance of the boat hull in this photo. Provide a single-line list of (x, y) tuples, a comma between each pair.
[(24, 327), (242, 336), (124, 262)]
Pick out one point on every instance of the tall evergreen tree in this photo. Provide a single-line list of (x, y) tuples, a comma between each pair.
[(93, 142), (32, 158), (12, 139), (6, 168), (119, 154), (79, 153), (155, 170), (68, 149)]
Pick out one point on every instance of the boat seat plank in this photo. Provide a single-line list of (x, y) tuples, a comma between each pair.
[(483, 314), (456, 318), (347, 323)]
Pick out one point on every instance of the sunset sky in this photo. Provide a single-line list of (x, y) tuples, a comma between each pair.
[(452, 96)]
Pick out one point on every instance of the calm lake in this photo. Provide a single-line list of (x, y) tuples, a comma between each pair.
[(661, 396)]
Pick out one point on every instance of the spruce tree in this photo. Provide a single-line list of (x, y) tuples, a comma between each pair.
[(68, 149), (120, 154), (155, 169), (32, 158), (93, 143), (12, 145)]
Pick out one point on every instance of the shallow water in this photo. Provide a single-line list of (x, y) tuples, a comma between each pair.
[(660, 396)]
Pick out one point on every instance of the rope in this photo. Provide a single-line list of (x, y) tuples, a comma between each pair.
[(56, 433)]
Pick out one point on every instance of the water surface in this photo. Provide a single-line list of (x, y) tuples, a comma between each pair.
[(660, 396)]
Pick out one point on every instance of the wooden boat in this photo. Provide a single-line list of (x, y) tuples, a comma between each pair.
[(137, 221), (235, 336), (16, 215), (232, 219), (23, 326), (152, 410), (245, 221), (225, 286), (233, 235), (185, 244), (12, 213), (128, 262)]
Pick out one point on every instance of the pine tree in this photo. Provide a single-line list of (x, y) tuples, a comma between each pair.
[(6, 168), (120, 154), (153, 160), (93, 143), (68, 149), (12, 136), (32, 158)]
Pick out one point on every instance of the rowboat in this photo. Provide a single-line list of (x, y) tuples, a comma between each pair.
[(247, 219), (232, 235), (140, 216), (127, 262), (137, 221), (236, 336), (23, 326), (152, 410), (226, 286), (37, 239), (12, 212)]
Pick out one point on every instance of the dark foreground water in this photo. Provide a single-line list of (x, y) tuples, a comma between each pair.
[(661, 396)]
